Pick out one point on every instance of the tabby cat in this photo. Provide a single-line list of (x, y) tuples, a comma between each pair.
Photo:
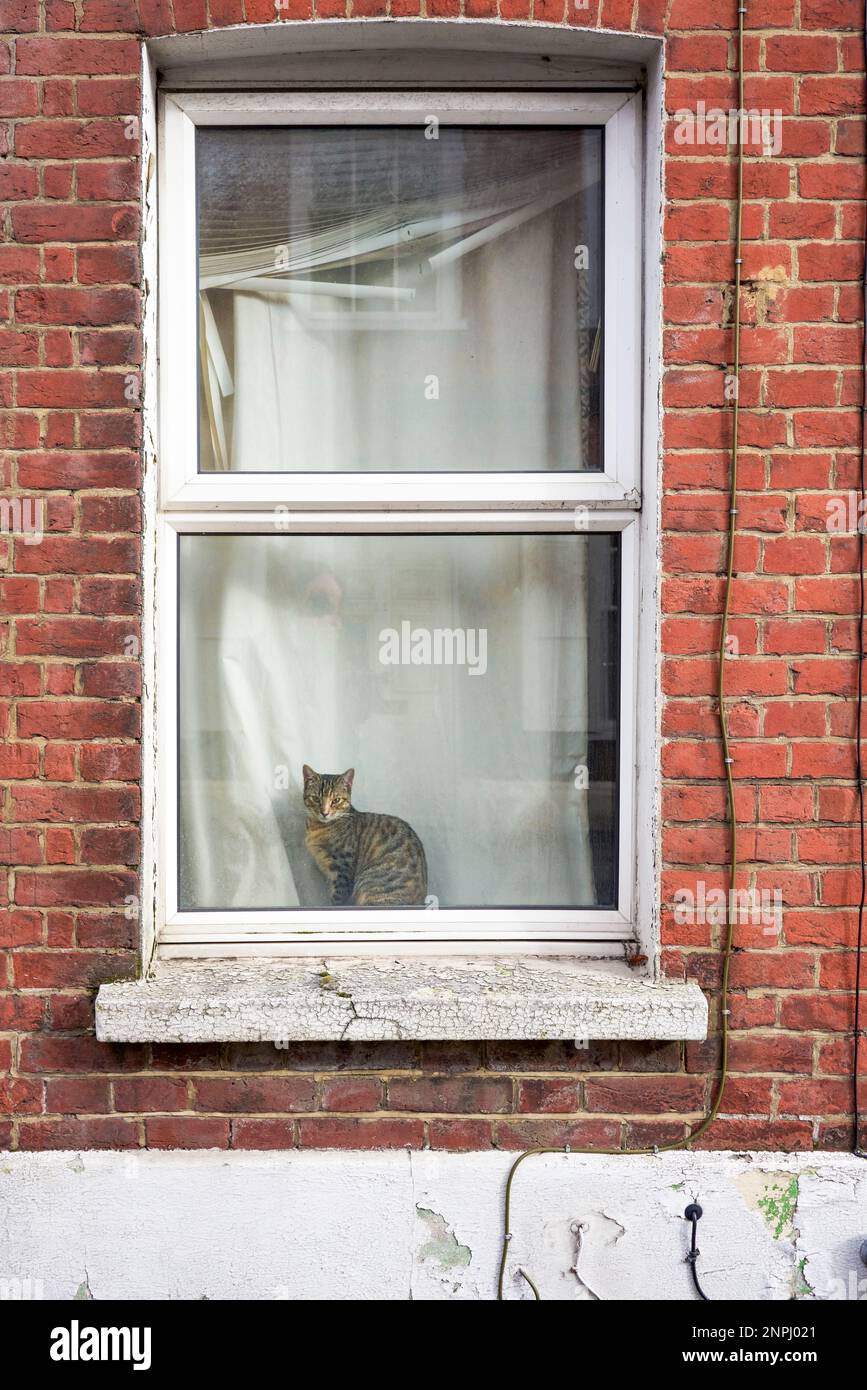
[(369, 860)]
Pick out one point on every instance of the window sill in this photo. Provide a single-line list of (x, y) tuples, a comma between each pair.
[(322, 999)]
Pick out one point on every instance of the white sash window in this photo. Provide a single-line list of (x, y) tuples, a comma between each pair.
[(399, 511)]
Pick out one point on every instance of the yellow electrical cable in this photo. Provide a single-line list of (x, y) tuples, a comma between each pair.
[(712, 1113)]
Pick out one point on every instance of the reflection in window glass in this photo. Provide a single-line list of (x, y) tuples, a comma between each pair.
[(400, 299), (471, 682)]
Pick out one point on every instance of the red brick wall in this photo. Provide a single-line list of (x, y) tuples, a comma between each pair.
[(70, 340)]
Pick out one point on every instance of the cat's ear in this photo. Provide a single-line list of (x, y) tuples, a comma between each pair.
[(309, 774), (348, 778)]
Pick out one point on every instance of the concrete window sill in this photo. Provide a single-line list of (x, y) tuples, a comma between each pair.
[(321, 999)]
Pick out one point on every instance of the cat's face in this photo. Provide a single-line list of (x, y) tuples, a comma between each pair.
[(327, 795)]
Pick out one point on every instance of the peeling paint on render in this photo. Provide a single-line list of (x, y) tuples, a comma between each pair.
[(442, 1246), (779, 1205), (775, 1195), (427, 1226), (801, 1287)]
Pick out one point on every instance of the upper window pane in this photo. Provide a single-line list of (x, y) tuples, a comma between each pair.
[(400, 299)]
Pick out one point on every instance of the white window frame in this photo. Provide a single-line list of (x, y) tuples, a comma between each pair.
[(214, 503)]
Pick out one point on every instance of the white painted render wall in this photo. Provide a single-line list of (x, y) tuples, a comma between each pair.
[(399, 1225)]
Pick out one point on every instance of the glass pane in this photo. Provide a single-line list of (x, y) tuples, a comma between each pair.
[(471, 682), (400, 299)]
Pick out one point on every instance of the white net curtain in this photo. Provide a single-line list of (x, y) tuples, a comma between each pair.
[(374, 300), (371, 299)]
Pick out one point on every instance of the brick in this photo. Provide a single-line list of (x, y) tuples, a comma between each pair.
[(57, 139), (644, 1095), (71, 555), (186, 1132), (22, 17), (109, 181), (351, 1093), (110, 348), (45, 57), (75, 888), (827, 1013), (758, 1134), (798, 388), (18, 760), (105, 1132), (850, 138), (578, 1134), (110, 762), (84, 469), (265, 1134), (19, 928), (87, 1095), (837, 262), (110, 514), (831, 95), (18, 264), (112, 845), (460, 1136), (43, 803), (803, 304), (800, 53), (245, 1094), (69, 969), (78, 719), (156, 16), (74, 222), (80, 637), (102, 431), (58, 98), (542, 1095), (92, 307), (807, 635), (24, 1012), (775, 1053), (111, 929), (481, 1095), (59, 14), (43, 1054), (138, 1094), (72, 388), (20, 1097), (814, 181), (17, 182), (551, 1057), (830, 14), (344, 1132)]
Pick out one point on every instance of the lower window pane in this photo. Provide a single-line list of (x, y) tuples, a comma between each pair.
[(471, 682)]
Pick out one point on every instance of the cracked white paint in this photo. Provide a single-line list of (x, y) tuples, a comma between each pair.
[(383, 998), (829, 1214), (426, 1226), (441, 1261)]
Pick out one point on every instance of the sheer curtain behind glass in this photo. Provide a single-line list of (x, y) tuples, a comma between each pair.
[(378, 299), (281, 662)]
